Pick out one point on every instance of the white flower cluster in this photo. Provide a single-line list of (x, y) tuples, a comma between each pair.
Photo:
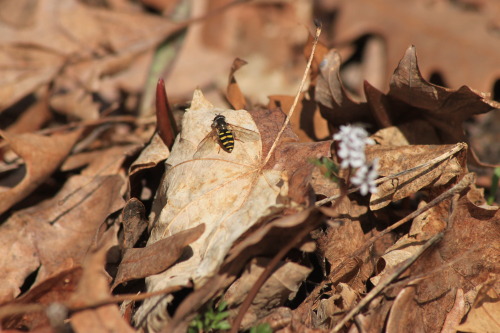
[(352, 141), (365, 178)]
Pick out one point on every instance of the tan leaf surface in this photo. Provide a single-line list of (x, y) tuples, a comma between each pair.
[(281, 286), (398, 159), (265, 239), (42, 156), (67, 224), (83, 48), (485, 311), (443, 47), (445, 109), (93, 287), (465, 258), (155, 152), (227, 192)]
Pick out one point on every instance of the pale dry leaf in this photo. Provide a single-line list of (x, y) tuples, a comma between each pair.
[(229, 192), (281, 286), (154, 153), (423, 227), (456, 314), (485, 312), (265, 240), (403, 314), (393, 160)]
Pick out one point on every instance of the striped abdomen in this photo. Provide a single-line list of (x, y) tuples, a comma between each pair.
[(226, 139)]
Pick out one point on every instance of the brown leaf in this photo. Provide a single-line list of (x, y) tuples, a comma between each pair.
[(56, 233), (445, 109), (94, 287), (465, 34), (42, 156), (485, 311), (465, 258), (281, 286), (35, 116), (55, 289), (80, 48), (134, 222), (265, 240), (398, 159), (142, 262), (234, 94), (335, 104), (306, 121)]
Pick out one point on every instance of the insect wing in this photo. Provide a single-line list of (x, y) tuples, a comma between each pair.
[(242, 134), (207, 144)]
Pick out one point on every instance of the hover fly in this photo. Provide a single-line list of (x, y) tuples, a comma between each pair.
[(225, 134)]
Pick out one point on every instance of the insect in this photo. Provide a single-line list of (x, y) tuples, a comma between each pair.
[(225, 135)]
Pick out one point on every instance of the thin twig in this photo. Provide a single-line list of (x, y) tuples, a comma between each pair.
[(297, 96), (17, 309)]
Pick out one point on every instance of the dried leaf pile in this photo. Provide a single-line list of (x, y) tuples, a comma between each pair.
[(113, 219)]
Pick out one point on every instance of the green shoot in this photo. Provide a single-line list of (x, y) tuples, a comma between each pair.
[(494, 186), (212, 320)]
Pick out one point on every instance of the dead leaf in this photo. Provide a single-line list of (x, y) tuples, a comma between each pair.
[(465, 258), (281, 286), (134, 222), (142, 262), (266, 239), (400, 159), (306, 121), (57, 49), (154, 153), (94, 287), (485, 311), (234, 94), (55, 289), (56, 234), (336, 105), (445, 109), (466, 34), (226, 191), (42, 156)]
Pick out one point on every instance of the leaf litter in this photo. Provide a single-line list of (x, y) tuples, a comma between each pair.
[(238, 226)]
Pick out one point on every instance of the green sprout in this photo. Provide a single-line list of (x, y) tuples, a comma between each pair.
[(212, 320), (328, 167), (494, 186)]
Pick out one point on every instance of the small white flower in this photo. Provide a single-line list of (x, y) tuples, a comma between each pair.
[(365, 178), (352, 142)]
